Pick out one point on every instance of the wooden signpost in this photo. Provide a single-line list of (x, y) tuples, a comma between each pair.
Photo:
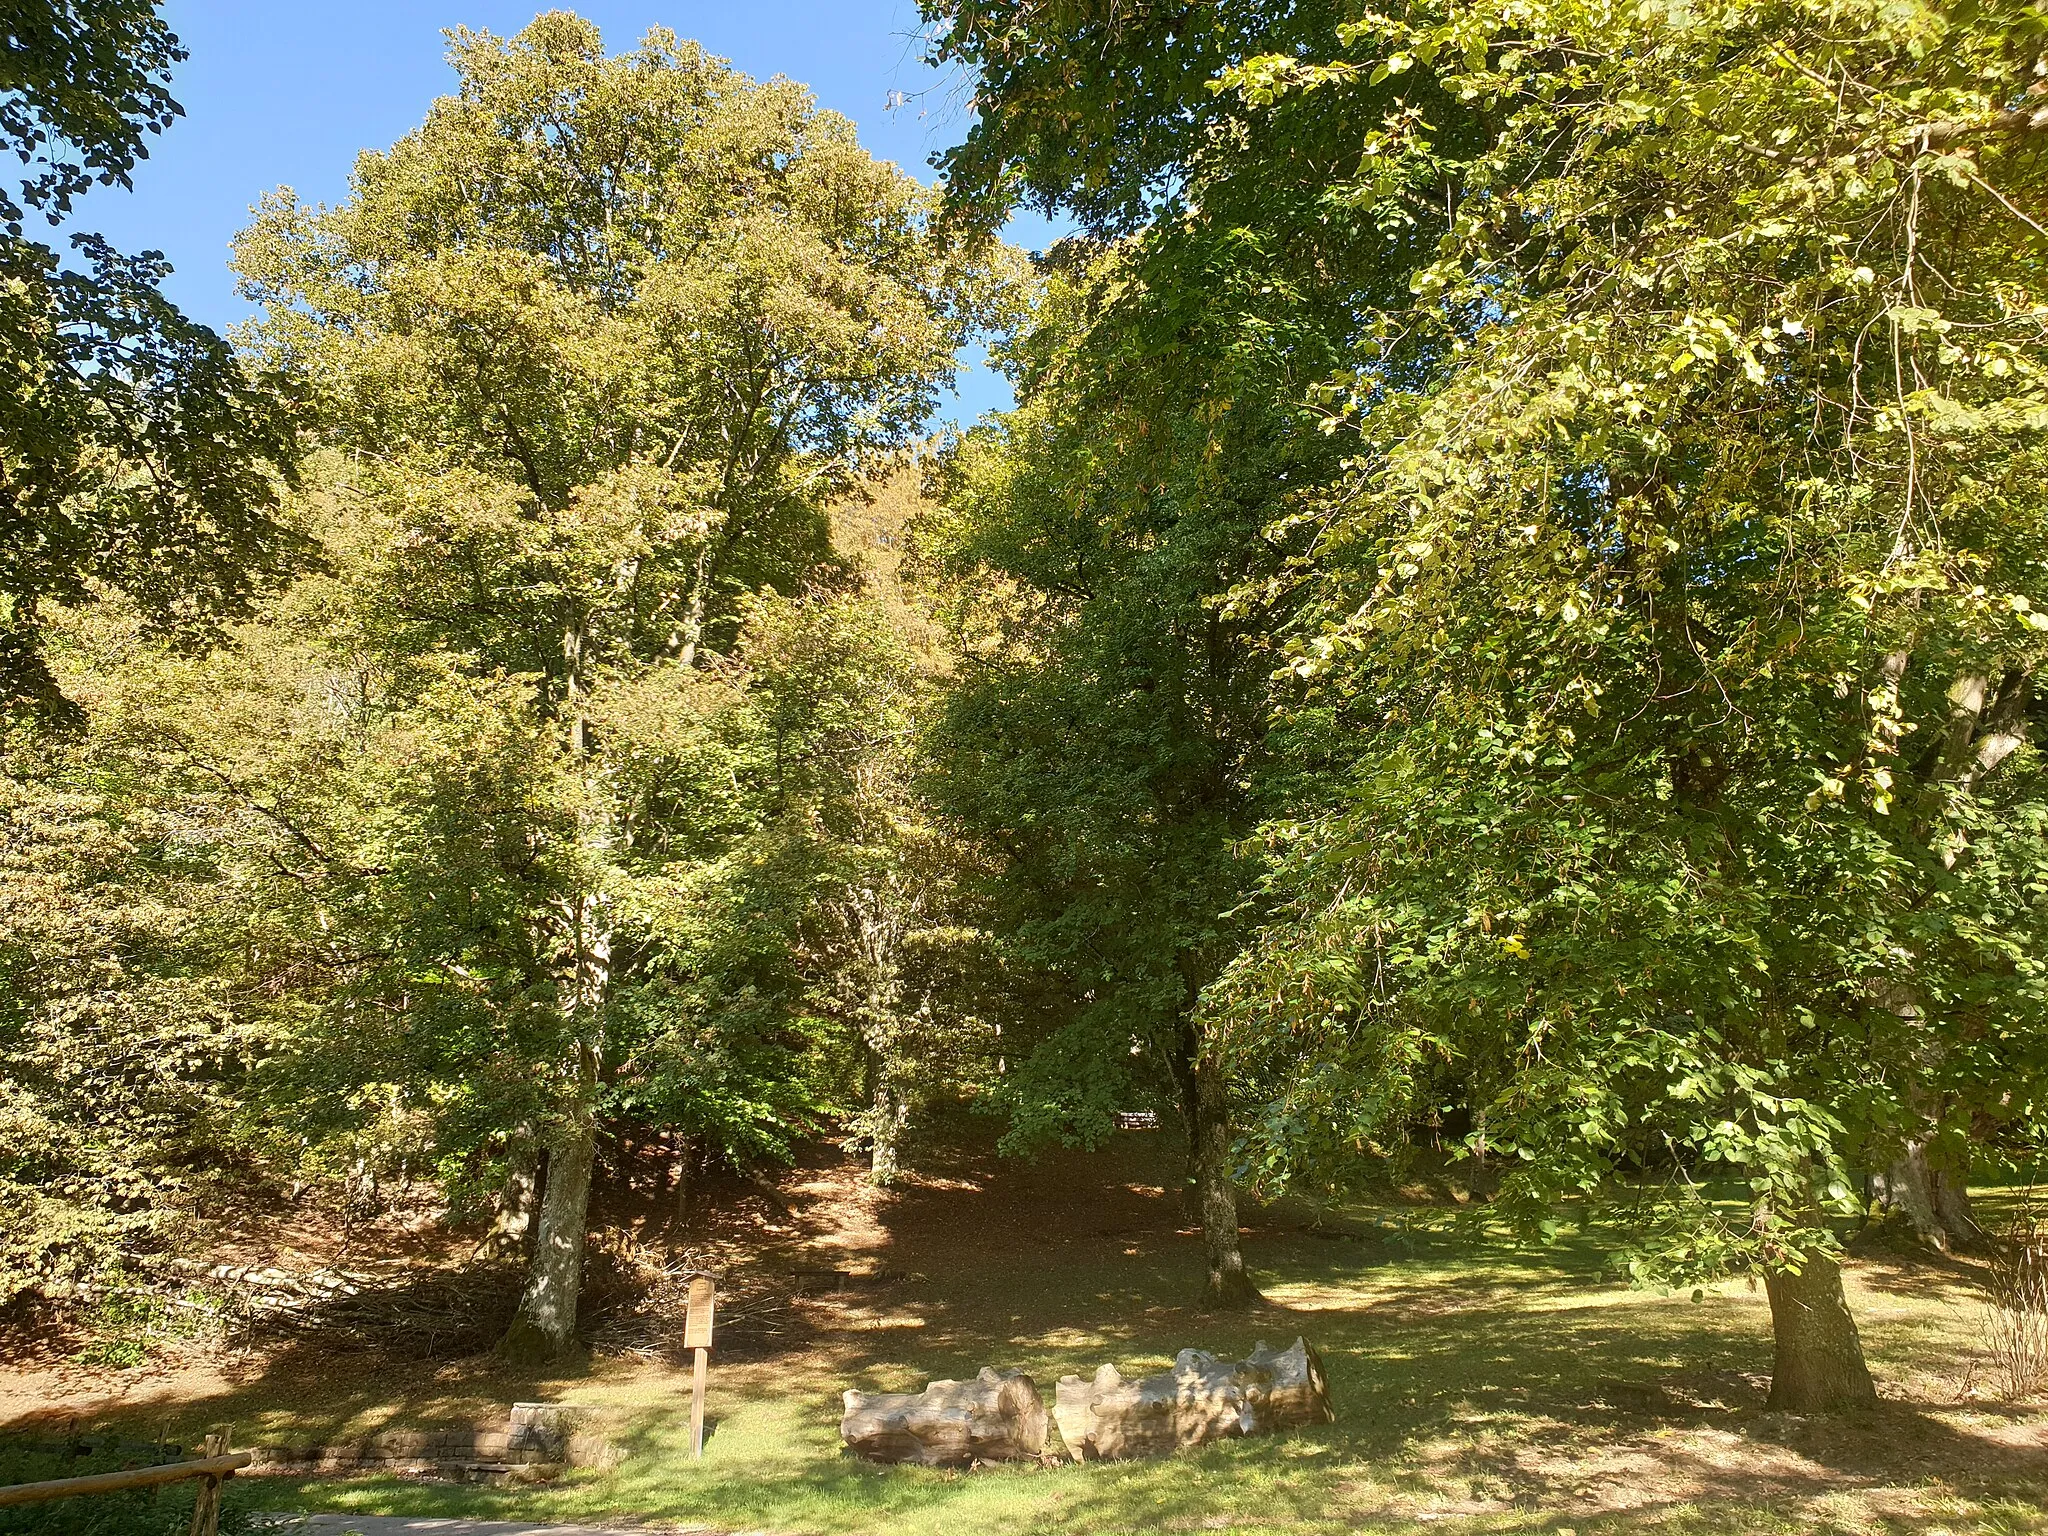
[(697, 1336)]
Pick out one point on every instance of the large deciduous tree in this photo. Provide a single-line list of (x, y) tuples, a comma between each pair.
[(1111, 730), (1681, 627), (592, 348), (1650, 768)]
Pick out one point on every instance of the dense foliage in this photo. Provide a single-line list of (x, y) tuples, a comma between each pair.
[(560, 796), (1685, 620), (1113, 730), (1652, 778), (1507, 610), (137, 453)]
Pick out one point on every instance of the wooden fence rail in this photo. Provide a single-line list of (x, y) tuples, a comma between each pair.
[(205, 1509)]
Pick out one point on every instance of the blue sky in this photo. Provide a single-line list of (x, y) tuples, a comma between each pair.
[(285, 92)]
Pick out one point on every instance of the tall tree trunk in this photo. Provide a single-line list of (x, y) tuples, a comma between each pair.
[(1819, 1365), (1207, 1109), (545, 1326)]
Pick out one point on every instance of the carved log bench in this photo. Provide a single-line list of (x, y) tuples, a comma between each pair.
[(998, 1416), (1200, 1400)]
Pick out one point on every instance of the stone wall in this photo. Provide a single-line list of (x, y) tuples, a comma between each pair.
[(536, 1440)]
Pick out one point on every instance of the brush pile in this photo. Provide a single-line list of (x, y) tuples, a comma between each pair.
[(636, 1296), (400, 1309)]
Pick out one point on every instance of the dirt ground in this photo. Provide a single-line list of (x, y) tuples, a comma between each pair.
[(830, 1257)]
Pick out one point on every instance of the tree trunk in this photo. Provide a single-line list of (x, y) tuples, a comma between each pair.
[(1953, 1208), (1215, 1195), (692, 634), (1908, 1188), (684, 1169), (511, 1234), (1819, 1365), (886, 1129), (545, 1326), (1935, 1202)]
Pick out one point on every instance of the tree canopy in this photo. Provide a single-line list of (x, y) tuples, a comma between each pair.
[(541, 782), (1651, 683), (137, 453)]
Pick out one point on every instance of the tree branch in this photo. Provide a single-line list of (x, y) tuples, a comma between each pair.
[(2021, 120)]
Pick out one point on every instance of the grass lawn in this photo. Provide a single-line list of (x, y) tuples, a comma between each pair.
[(1479, 1386)]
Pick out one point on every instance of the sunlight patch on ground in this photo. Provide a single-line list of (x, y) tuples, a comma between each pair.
[(1311, 1296), (879, 1322), (1626, 1297)]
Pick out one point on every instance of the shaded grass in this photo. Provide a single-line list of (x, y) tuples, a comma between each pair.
[(1480, 1386)]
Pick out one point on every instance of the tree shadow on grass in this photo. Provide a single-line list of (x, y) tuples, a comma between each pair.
[(1907, 1272)]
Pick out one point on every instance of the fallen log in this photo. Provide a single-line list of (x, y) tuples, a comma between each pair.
[(998, 1416), (1201, 1399)]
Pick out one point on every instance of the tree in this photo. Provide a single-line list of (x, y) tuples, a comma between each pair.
[(160, 951), (137, 454), (129, 1015), (871, 892), (591, 347), (1642, 456), (1097, 753), (1107, 724), (1103, 108), (1110, 733), (1680, 625)]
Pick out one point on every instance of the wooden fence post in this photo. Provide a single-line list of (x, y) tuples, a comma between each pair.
[(206, 1505)]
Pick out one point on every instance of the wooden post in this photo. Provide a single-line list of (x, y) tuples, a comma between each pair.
[(206, 1503), (697, 1336)]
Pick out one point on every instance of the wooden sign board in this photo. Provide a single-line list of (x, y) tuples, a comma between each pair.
[(697, 1326), (697, 1337)]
